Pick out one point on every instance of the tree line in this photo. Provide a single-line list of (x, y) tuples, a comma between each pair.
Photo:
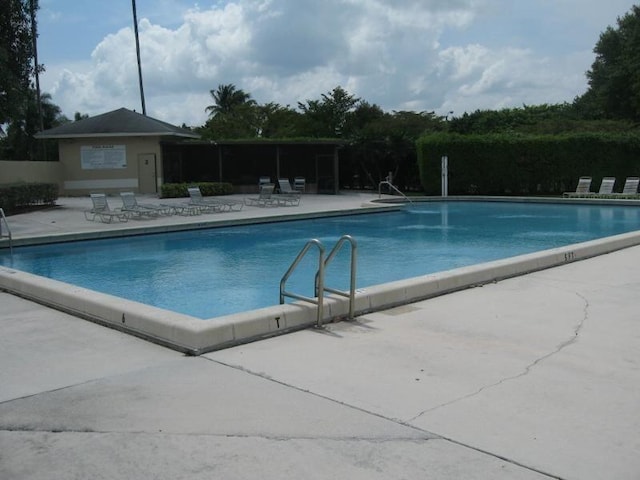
[(378, 141)]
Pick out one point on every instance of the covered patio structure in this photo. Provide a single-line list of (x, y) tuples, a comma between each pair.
[(243, 162)]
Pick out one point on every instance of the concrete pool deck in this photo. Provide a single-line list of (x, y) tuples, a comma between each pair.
[(532, 377)]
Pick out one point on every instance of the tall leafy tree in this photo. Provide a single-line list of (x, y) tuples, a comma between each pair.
[(329, 116), (227, 98), (381, 143), (277, 121), (614, 78), (16, 57), (509, 120), (19, 143)]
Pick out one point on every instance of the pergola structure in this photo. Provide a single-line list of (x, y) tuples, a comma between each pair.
[(243, 162)]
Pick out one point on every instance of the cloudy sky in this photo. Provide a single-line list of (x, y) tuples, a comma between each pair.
[(421, 55)]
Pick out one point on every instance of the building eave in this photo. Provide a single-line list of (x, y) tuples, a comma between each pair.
[(115, 134)]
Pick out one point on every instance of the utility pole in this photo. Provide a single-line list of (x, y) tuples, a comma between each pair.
[(135, 29), (34, 39)]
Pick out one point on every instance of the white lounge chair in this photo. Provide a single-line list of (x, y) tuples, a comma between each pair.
[(265, 197), (184, 209), (212, 204), (264, 180), (299, 184), (288, 196), (103, 212), (224, 203), (630, 189), (130, 204), (196, 200), (606, 187), (582, 190)]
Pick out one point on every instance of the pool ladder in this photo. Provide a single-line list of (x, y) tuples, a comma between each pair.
[(392, 187), (3, 220), (319, 282)]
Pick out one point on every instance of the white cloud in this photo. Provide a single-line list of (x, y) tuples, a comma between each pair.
[(399, 54), (486, 79)]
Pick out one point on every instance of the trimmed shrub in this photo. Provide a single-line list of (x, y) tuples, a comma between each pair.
[(514, 164), (178, 190), (16, 196)]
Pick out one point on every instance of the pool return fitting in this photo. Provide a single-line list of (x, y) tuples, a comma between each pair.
[(319, 282)]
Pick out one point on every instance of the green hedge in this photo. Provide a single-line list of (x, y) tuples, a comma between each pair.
[(178, 190), (15, 196), (512, 164)]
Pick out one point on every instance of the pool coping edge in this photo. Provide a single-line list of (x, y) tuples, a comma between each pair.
[(195, 336)]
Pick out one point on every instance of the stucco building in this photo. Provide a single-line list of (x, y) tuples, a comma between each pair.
[(125, 150), (114, 151)]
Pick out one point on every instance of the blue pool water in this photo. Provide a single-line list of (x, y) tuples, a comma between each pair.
[(218, 271)]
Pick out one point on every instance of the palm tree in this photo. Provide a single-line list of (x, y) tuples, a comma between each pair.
[(227, 98)]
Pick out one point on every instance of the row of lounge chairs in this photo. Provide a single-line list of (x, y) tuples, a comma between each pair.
[(287, 197), (196, 205), (102, 211), (299, 183), (132, 209), (212, 205), (583, 190)]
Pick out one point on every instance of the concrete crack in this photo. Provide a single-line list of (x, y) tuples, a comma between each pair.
[(527, 369), (336, 438), (427, 435)]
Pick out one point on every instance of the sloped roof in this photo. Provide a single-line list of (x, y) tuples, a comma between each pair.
[(118, 123)]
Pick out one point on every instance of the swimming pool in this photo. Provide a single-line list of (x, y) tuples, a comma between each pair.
[(221, 271)]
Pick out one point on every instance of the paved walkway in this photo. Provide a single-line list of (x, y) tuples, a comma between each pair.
[(68, 218), (534, 377)]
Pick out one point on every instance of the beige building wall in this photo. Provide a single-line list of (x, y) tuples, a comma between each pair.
[(24, 171), (110, 165)]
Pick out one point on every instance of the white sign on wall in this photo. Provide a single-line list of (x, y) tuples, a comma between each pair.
[(103, 157)]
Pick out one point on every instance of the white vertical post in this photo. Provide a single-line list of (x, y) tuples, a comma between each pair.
[(445, 175)]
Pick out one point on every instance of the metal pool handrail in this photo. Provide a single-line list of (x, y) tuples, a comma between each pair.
[(352, 285), (320, 294), (319, 282), (3, 219), (392, 187)]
